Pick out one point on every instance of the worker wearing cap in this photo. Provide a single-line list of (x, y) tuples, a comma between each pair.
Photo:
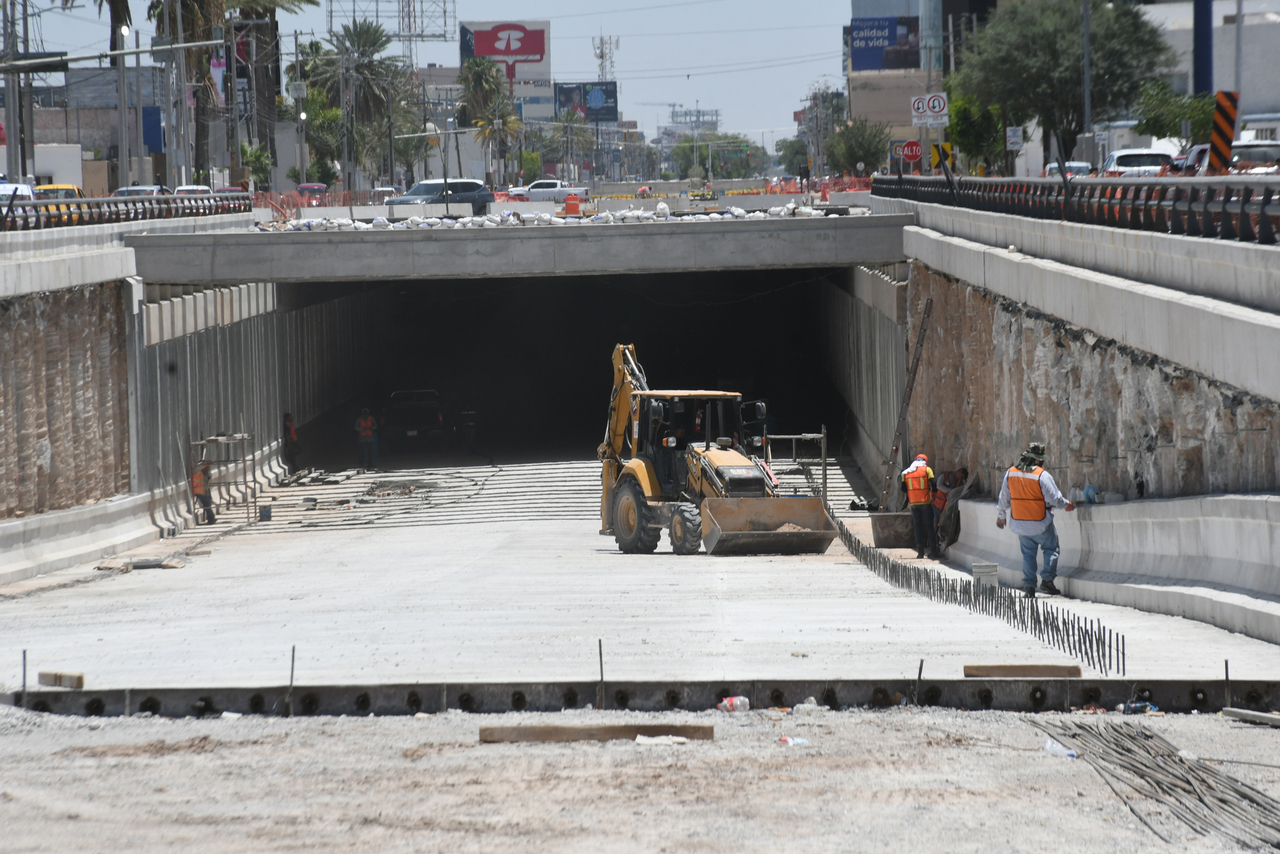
[(918, 481), (200, 491), (1029, 494)]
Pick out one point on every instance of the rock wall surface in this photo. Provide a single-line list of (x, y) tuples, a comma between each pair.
[(996, 374), (64, 399)]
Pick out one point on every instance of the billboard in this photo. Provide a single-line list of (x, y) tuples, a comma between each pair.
[(595, 102), (879, 43), (523, 48)]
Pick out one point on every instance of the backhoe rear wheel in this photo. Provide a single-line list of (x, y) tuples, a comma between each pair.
[(686, 530), (631, 517)]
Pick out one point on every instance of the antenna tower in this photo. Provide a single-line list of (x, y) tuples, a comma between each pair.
[(604, 48)]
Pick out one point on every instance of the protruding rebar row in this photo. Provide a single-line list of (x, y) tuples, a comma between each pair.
[(1087, 640)]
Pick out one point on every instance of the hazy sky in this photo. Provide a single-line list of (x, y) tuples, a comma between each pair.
[(753, 60)]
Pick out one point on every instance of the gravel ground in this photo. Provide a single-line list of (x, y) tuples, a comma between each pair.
[(899, 780)]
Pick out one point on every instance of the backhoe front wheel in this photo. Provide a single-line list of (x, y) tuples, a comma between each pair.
[(631, 517), (686, 530)]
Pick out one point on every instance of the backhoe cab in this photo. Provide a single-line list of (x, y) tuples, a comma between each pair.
[(677, 460)]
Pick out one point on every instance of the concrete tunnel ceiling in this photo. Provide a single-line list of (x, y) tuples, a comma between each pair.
[(532, 355)]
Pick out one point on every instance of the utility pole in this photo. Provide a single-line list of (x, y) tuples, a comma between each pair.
[(1239, 52), (25, 105), (124, 170), (12, 154), (1088, 95), (232, 60), (182, 97), (137, 100)]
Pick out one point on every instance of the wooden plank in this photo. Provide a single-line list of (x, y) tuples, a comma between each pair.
[(1268, 718), (586, 732), (58, 679), (1022, 671)]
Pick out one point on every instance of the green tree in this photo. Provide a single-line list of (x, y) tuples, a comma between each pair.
[(498, 127), (573, 136), (119, 14), (977, 131), (1161, 113), (793, 154), (531, 165), (858, 141), (258, 161), (1028, 60)]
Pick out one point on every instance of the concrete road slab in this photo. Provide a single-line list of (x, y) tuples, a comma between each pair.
[(498, 574)]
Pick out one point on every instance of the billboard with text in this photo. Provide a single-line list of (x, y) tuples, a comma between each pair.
[(880, 43)]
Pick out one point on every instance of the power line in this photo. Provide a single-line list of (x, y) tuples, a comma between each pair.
[(683, 5)]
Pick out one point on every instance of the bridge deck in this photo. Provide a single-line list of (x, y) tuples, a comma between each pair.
[(237, 257)]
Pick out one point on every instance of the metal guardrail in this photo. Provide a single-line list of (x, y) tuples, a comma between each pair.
[(1236, 207), (62, 213)]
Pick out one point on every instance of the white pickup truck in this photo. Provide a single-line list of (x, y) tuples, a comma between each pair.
[(548, 190)]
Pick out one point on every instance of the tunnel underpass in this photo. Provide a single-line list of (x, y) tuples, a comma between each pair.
[(531, 357)]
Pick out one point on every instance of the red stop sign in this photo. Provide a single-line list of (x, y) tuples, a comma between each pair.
[(911, 151)]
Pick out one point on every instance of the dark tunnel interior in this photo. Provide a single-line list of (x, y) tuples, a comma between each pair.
[(531, 357)]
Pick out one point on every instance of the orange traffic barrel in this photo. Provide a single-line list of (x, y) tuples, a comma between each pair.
[(571, 205)]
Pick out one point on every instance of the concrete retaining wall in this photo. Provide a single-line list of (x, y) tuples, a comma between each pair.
[(1208, 558), (1227, 342), (1246, 274), (864, 348)]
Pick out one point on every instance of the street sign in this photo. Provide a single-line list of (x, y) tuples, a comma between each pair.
[(938, 152), (1013, 139), (297, 91), (937, 111), (629, 124), (912, 151), (919, 118)]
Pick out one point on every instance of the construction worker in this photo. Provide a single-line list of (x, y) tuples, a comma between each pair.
[(366, 429), (918, 481), (1029, 495), (200, 483), (289, 444)]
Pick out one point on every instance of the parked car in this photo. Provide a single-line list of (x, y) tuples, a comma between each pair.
[(1255, 158), (312, 194), (143, 190), (549, 190), (381, 194), (460, 191), (48, 192), (60, 214), (1074, 167), (16, 192), (194, 190), (415, 415), (1136, 162)]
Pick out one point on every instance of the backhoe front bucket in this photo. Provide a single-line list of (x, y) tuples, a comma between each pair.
[(754, 526)]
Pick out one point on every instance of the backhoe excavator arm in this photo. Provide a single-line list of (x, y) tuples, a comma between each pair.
[(628, 377)]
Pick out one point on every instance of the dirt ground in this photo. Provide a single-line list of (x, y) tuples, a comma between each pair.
[(897, 780)]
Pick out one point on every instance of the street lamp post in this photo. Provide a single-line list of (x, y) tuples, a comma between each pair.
[(124, 169), (303, 153)]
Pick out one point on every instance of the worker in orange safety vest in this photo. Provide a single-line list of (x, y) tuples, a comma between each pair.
[(944, 483), (1029, 494), (366, 431), (918, 482), (200, 482)]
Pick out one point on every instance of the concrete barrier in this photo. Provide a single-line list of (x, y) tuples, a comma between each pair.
[(47, 542), (1227, 342), (1246, 274), (1209, 558), (858, 198), (55, 258)]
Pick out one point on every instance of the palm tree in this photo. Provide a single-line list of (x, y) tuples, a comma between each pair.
[(370, 76), (499, 127)]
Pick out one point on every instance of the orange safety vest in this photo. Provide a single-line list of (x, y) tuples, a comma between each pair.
[(366, 425), (197, 483), (1026, 498), (940, 496), (918, 486)]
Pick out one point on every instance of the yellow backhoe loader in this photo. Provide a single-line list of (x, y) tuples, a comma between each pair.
[(678, 460)]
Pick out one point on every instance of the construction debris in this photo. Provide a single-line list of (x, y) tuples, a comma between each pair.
[(1022, 671), (1269, 718)]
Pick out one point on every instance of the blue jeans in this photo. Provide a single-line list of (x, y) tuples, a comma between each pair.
[(1046, 541)]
